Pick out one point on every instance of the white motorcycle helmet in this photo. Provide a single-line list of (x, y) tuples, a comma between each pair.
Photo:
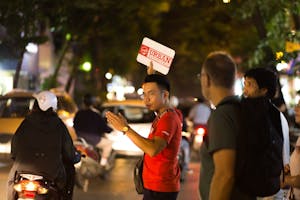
[(46, 100)]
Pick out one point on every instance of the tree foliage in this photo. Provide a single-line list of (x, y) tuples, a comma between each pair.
[(109, 32), (278, 21)]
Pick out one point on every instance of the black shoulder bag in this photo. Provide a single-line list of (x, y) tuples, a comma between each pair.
[(138, 176)]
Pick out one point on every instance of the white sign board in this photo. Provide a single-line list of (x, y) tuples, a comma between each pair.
[(160, 55)]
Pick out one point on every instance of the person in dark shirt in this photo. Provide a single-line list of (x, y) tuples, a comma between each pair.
[(90, 125), (219, 148), (42, 145)]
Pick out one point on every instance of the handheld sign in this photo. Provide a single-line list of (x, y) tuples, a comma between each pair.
[(160, 55)]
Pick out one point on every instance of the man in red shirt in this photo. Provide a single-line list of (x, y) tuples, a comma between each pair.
[(161, 174)]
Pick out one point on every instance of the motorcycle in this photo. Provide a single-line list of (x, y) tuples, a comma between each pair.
[(89, 165), (200, 131), (32, 186)]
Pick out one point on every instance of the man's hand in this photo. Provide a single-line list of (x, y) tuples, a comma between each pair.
[(286, 169), (150, 69), (284, 184), (117, 121), (150, 146)]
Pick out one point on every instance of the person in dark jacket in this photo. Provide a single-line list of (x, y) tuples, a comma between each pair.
[(260, 86), (91, 126), (42, 146)]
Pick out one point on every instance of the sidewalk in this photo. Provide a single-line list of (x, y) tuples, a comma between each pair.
[(189, 189)]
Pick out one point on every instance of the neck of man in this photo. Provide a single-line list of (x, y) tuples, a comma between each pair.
[(219, 93), (162, 110)]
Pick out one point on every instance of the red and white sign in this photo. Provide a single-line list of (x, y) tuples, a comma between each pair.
[(160, 55)]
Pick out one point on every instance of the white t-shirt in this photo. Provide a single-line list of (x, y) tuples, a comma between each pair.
[(286, 140), (200, 113)]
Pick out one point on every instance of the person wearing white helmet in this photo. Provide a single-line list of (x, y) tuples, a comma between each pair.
[(46, 100), (42, 145)]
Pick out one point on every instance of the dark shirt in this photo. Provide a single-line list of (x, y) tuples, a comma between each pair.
[(223, 127), (90, 125), (42, 144)]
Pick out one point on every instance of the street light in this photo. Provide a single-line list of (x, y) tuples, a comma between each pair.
[(32, 48), (108, 75), (226, 1), (282, 66), (86, 66)]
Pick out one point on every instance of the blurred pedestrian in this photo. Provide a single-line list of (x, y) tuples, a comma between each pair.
[(218, 151), (90, 125), (199, 113), (261, 84), (161, 173), (42, 146), (184, 144)]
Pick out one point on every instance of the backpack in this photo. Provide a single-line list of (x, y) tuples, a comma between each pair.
[(259, 161)]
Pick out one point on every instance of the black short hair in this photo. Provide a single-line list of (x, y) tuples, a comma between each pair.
[(160, 80), (88, 99), (220, 66), (265, 78)]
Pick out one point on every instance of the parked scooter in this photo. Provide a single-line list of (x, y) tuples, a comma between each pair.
[(89, 166)]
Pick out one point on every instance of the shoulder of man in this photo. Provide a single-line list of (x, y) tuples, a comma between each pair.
[(172, 114), (230, 100)]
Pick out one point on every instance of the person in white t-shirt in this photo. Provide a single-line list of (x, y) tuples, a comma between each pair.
[(293, 179), (200, 113)]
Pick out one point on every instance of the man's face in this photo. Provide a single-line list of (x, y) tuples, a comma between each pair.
[(251, 88), (154, 98)]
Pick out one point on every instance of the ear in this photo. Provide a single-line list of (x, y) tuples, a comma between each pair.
[(205, 81), (263, 91), (166, 94)]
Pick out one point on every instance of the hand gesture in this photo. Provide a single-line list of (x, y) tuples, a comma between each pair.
[(150, 69), (117, 121)]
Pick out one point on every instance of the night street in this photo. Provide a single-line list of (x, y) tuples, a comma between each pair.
[(119, 185), (116, 80)]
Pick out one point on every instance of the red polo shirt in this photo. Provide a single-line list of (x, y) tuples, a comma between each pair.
[(161, 173)]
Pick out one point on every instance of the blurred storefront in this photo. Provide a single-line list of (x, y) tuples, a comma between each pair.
[(37, 65), (7, 67), (29, 75), (290, 80)]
